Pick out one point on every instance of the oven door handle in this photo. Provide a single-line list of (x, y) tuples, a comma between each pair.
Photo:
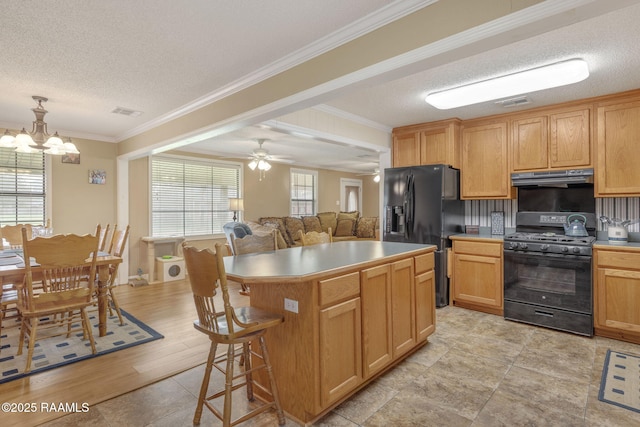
[(543, 313), (585, 258)]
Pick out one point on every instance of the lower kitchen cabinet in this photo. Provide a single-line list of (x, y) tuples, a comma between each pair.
[(340, 340), (398, 306), (425, 301), (376, 326), (617, 293), (477, 274), (403, 313)]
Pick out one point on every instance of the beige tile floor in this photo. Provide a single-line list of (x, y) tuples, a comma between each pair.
[(476, 370)]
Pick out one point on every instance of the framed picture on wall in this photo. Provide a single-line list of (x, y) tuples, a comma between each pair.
[(97, 176)]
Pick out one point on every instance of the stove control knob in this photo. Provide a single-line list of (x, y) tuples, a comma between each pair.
[(544, 247), (565, 249), (523, 245), (513, 245), (576, 250)]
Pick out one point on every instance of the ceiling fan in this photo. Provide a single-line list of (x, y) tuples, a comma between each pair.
[(260, 159), (261, 154), (375, 174)]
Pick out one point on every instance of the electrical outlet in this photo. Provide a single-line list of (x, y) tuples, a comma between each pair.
[(291, 305)]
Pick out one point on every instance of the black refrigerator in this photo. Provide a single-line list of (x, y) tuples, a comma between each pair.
[(422, 205)]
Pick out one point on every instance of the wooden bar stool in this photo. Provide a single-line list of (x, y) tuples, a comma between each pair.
[(231, 326)]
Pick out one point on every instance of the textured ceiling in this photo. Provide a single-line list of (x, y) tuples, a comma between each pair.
[(160, 56)]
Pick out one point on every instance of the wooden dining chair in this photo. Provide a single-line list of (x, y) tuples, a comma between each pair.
[(8, 306), (314, 237), (230, 326), (252, 243), (13, 234), (116, 248), (61, 264), (104, 234)]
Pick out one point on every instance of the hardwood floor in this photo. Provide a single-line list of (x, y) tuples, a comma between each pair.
[(168, 308)]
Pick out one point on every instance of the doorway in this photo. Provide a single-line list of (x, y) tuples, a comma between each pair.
[(350, 195)]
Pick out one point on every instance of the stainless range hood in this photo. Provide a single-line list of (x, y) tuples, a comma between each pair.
[(559, 178)]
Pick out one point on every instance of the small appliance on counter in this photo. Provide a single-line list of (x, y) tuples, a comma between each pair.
[(617, 231)]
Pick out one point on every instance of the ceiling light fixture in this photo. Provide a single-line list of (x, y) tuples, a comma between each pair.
[(259, 160), (546, 77), (38, 139)]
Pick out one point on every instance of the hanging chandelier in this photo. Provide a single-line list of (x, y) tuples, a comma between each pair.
[(38, 139)]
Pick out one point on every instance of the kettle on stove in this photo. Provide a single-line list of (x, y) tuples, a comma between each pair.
[(617, 229), (576, 228)]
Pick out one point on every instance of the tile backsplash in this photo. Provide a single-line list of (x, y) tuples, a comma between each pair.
[(478, 212)]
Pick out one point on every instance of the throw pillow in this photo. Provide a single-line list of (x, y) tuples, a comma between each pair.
[(241, 230), (294, 227), (366, 227), (327, 219), (279, 223), (311, 223), (354, 215), (345, 227)]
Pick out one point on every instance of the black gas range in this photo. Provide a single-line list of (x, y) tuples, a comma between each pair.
[(547, 274), (549, 242)]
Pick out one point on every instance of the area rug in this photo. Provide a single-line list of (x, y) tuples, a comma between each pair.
[(54, 352), (620, 383)]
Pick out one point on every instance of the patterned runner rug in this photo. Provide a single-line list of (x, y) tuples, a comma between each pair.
[(620, 383), (53, 352)]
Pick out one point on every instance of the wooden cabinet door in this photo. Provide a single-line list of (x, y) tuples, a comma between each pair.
[(485, 165), (406, 149), (570, 139), (529, 144), (618, 150), (403, 315), (425, 305), (375, 292), (434, 147), (478, 280), (617, 293), (340, 350)]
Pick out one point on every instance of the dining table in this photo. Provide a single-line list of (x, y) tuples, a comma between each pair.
[(12, 270)]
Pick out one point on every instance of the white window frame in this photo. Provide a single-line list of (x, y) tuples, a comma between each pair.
[(46, 196), (314, 173), (195, 160)]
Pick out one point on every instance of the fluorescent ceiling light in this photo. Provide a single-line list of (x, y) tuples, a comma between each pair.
[(554, 75)]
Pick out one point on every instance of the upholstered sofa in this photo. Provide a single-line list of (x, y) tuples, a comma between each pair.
[(344, 226)]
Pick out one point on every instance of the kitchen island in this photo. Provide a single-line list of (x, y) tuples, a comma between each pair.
[(352, 310)]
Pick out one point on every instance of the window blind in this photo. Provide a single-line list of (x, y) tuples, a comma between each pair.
[(22, 187), (304, 191), (190, 197)]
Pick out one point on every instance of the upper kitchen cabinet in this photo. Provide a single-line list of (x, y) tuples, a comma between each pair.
[(484, 171), (618, 147), (406, 149), (427, 144), (555, 139)]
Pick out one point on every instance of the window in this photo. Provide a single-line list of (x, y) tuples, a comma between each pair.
[(190, 197), (304, 192), (22, 187)]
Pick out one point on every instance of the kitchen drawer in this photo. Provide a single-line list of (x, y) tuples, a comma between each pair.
[(626, 260), (339, 288), (424, 263), (477, 248)]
